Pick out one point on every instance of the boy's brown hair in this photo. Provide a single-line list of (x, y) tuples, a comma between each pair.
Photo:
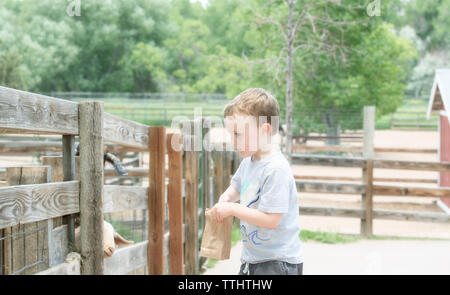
[(255, 102)]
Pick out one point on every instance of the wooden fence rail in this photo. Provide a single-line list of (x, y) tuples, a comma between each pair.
[(367, 189)]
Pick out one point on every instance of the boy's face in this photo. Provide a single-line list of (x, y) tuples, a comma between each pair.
[(247, 136)]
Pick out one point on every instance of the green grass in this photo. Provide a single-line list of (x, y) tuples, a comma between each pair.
[(394, 238), (409, 106), (150, 112), (383, 123), (326, 237)]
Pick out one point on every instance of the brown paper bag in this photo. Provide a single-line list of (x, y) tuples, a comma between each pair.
[(216, 241)]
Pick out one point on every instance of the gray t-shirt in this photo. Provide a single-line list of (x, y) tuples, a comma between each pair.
[(268, 185)]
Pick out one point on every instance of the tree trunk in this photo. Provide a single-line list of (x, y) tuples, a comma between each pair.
[(289, 84), (331, 120)]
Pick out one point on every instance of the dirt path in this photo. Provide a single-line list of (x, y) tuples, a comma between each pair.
[(384, 257)]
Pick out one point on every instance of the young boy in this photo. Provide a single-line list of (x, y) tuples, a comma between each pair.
[(265, 187)]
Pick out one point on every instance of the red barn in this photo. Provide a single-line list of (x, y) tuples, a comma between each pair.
[(440, 103)]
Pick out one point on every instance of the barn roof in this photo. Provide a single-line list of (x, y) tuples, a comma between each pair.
[(440, 92)]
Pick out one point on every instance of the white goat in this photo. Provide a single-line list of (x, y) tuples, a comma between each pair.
[(111, 239)]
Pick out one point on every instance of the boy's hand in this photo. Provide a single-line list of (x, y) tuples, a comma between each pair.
[(222, 210)]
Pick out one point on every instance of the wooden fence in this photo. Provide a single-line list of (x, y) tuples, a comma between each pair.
[(83, 191), (367, 189), (364, 137)]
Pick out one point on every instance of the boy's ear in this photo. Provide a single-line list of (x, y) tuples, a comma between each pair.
[(267, 128)]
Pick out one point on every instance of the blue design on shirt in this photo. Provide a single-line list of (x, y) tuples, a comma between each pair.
[(251, 236), (255, 200)]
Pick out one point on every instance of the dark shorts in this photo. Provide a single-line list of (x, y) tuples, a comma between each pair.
[(274, 267)]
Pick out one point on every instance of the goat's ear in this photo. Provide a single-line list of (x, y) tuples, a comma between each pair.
[(119, 240)]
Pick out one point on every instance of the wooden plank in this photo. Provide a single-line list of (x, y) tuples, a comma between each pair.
[(59, 248), (27, 146), (156, 204), (20, 147), (125, 132), (386, 190), (327, 211), (405, 150), (28, 245), (71, 266), (191, 207), (327, 161), (175, 200), (411, 216), (299, 148), (56, 163), (218, 174), (298, 136), (35, 202), (412, 165), (329, 187), (359, 179), (25, 112), (367, 199), (166, 247), (68, 166), (205, 170), (91, 187), (117, 198), (127, 259)]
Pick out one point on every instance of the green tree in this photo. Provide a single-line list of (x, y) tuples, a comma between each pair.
[(34, 43), (431, 20)]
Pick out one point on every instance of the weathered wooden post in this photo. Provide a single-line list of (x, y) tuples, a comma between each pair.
[(368, 154), (369, 131), (175, 200), (191, 190), (156, 200), (206, 154), (366, 228), (90, 120)]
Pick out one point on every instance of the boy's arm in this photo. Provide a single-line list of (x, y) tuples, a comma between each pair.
[(230, 195), (250, 215)]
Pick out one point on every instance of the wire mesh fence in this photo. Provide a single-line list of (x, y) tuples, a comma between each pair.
[(24, 249), (132, 225)]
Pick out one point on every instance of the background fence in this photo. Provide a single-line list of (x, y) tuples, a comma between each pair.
[(367, 188)]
